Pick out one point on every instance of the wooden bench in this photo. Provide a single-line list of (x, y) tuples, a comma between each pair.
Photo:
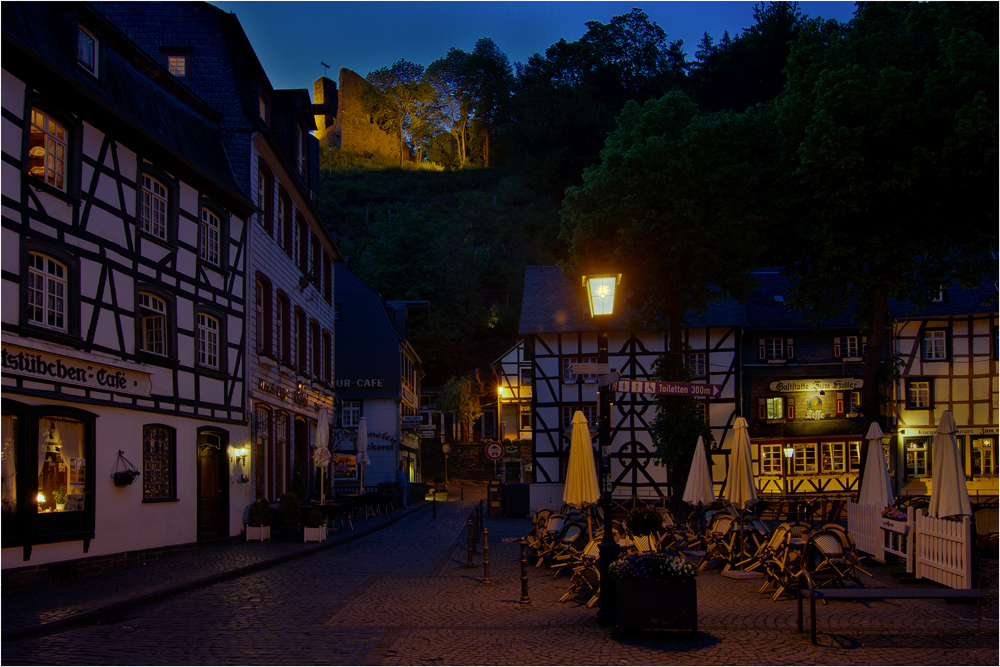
[(807, 589)]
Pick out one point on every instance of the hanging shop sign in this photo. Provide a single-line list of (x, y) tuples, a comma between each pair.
[(47, 367), (827, 384)]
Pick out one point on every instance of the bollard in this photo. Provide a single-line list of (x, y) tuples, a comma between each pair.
[(471, 548), (486, 555), (524, 571), (461, 489), (434, 506)]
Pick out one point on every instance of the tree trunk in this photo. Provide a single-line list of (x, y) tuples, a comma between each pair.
[(873, 361)]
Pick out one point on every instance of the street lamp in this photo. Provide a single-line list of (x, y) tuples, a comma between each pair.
[(601, 300), (499, 412)]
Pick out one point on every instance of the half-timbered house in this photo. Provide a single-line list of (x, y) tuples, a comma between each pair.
[(558, 333), (275, 161), (125, 241)]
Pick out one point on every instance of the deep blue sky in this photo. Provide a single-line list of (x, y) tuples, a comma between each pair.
[(292, 38)]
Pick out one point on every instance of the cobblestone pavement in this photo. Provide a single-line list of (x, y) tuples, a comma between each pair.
[(401, 592)]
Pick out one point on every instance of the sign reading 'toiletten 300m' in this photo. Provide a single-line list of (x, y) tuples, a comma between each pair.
[(44, 366)]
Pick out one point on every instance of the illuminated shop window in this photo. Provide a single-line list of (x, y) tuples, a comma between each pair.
[(770, 459), (804, 460), (834, 460), (983, 456), (916, 458)]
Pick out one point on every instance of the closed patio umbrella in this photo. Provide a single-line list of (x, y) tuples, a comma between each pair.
[(698, 489), (875, 487), (949, 495), (740, 491), (362, 447), (321, 456), (581, 488)]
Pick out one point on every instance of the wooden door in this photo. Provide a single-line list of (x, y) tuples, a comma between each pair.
[(211, 468)]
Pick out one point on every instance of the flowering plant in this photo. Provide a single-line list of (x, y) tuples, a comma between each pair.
[(653, 567), (894, 513)]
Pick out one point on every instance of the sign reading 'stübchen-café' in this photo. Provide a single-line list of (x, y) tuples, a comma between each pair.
[(47, 367)]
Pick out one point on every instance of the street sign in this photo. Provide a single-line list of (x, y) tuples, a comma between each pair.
[(588, 369), (446, 449), (427, 430), (412, 420), (692, 389), (610, 378), (494, 451)]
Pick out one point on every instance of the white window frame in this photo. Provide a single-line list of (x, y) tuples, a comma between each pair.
[(155, 207), (697, 365), (88, 51), (804, 460), (917, 457), (589, 411), (984, 456), (934, 345), (152, 324), (570, 377), (48, 285), (350, 415), (775, 407), (834, 459), (211, 236), (49, 145), (918, 394), (207, 352), (177, 64), (771, 459)]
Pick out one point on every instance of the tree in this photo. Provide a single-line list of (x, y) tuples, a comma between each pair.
[(449, 78), (461, 395), (400, 99), (890, 126), (491, 80)]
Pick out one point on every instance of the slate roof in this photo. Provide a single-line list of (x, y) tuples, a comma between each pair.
[(148, 105), (552, 303)]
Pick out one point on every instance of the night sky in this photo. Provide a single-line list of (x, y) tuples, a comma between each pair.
[(292, 38)]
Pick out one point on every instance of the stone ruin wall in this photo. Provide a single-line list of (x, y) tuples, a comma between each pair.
[(352, 129)]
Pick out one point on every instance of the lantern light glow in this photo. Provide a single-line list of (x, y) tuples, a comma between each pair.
[(601, 293)]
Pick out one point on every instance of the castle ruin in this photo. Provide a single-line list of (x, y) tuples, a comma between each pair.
[(349, 128)]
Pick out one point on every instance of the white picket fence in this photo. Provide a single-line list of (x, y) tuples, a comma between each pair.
[(935, 549)]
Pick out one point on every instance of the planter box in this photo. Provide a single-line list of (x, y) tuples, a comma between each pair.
[(258, 533), (894, 526), (314, 534), (657, 605)]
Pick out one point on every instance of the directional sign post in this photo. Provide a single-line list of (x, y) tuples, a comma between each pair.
[(588, 369), (692, 389)]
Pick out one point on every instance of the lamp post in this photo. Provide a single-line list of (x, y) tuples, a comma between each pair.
[(500, 413), (601, 298), (789, 453)]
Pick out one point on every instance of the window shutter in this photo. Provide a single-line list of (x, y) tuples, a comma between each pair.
[(762, 409), (789, 408), (840, 404), (763, 349), (864, 345), (836, 347), (789, 349)]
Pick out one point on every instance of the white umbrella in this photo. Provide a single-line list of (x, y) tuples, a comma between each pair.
[(741, 491), (321, 456), (362, 447), (875, 487), (698, 489), (581, 488), (949, 495)]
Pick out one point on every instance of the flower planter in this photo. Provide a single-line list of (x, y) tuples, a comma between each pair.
[(124, 478), (894, 535), (657, 605), (317, 534), (258, 533)]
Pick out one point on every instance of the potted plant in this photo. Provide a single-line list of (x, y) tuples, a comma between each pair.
[(655, 591), (290, 514), (644, 521), (60, 497), (259, 520), (895, 524), (315, 530)]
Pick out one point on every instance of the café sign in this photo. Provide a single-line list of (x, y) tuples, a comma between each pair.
[(826, 384), (47, 367)]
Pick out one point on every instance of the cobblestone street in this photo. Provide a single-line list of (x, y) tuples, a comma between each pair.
[(405, 595)]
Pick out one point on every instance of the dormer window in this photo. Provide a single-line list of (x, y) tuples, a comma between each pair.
[(177, 64), (88, 51)]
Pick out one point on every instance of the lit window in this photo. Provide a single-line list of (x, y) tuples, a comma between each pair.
[(211, 233), (153, 219), (935, 345), (776, 408), (770, 459), (918, 394), (47, 150), (47, 282), (983, 457), (834, 457), (177, 65), (804, 460), (207, 353), (159, 463), (152, 323), (916, 458), (87, 50)]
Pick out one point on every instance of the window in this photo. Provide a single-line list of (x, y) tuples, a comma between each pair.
[(846, 347), (983, 456), (525, 375), (152, 324), (283, 216), (265, 199), (770, 459), (775, 349), (775, 408), (916, 458), (854, 449), (316, 270), (804, 459), (317, 361), (207, 352), (834, 454), (918, 395), (177, 64), (153, 217), (327, 278), (47, 150), (284, 330), (87, 51), (47, 285), (525, 423), (696, 364), (350, 416), (159, 463), (570, 378), (301, 343), (211, 235), (262, 315), (935, 345), (589, 411), (327, 356)]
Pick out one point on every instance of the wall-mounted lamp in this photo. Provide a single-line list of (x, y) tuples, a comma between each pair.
[(240, 454), (789, 452)]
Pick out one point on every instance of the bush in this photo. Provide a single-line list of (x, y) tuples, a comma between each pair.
[(314, 519), (259, 514), (643, 520), (288, 509)]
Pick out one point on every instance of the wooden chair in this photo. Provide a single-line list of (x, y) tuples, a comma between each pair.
[(719, 539)]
